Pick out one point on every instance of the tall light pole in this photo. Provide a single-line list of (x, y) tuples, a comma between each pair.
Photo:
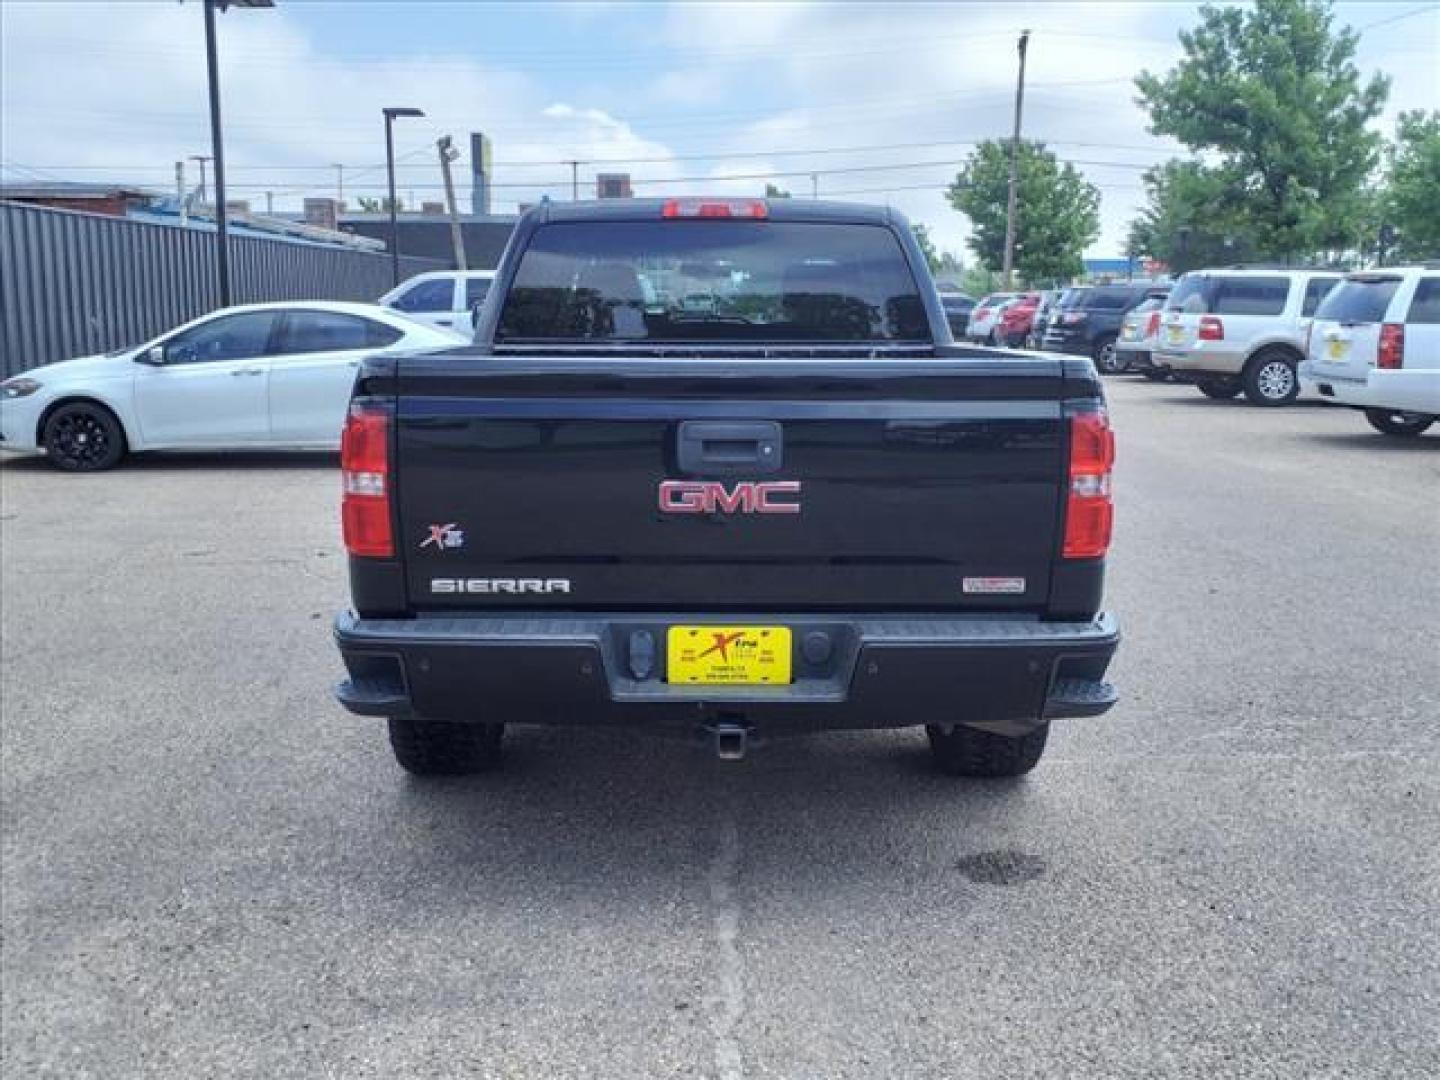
[(391, 112), (217, 146), (448, 153), (1010, 206)]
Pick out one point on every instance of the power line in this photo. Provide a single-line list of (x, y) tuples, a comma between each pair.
[(363, 169), (1397, 18)]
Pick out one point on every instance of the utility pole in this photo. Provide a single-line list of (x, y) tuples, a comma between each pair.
[(180, 193), (339, 185), (448, 154), (202, 159), (1010, 207), (814, 185), (574, 181), (269, 202)]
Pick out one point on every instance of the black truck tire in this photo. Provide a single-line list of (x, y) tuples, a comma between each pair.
[(1221, 389), (964, 751), (82, 436), (427, 747), (1271, 378), (1395, 422)]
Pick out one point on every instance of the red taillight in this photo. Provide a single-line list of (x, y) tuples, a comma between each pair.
[(1392, 346), (715, 208), (1089, 512), (1211, 328), (365, 473), (1153, 326)]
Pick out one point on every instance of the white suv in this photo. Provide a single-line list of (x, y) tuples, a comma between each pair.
[(1241, 329), (1375, 344)]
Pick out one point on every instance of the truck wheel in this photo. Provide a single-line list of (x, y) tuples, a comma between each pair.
[(1219, 389), (1270, 378), (964, 751), (83, 436), (1107, 360), (429, 747), (1404, 424)]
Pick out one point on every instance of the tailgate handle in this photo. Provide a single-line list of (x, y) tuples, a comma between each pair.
[(729, 447)]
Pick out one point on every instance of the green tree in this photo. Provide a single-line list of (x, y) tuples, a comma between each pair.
[(1411, 203), (1192, 218), (1273, 93), (773, 192), (371, 205), (1058, 211), (927, 246)]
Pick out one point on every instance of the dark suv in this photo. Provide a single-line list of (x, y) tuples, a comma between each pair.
[(1088, 321)]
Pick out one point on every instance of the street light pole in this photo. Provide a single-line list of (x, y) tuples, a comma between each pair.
[(217, 150), (217, 145), (1010, 206), (390, 114)]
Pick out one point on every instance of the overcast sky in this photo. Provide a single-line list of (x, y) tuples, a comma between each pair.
[(880, 101)]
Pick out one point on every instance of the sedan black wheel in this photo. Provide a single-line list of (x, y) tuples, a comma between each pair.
[(1402, 424), (83, 437)]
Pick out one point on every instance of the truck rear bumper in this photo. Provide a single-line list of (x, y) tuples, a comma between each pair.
[(1003, 674)]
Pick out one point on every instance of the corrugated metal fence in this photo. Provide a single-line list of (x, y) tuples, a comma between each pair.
[(73, 284)]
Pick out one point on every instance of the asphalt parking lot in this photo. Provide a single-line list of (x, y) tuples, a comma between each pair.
[(209, 869)]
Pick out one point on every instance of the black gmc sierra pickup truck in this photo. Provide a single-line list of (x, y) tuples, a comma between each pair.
[(717, 466)]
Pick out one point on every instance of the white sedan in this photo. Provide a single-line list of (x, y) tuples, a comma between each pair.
[(263, 375)]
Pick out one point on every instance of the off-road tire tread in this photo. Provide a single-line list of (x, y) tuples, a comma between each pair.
[(427, 747), (967, 752)]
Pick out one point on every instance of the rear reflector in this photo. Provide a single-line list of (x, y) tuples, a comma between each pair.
[(1089, 512), (1211, 328), (715, 208), (365, 475), (1392, 346)]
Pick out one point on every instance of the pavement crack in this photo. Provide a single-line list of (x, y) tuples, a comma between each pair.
[(727, 1006)]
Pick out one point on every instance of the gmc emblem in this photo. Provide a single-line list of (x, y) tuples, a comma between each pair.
[(746, 497)]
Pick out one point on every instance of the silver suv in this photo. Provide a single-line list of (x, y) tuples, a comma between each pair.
[(1229, 330)]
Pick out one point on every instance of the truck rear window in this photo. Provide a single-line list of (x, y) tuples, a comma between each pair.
[(732, 281)]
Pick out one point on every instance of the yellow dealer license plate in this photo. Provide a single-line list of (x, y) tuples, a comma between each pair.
[(728, 655), (1338, 349), (1174, 334)]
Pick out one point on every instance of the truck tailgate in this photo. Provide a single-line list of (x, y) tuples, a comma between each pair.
[(629, 484)]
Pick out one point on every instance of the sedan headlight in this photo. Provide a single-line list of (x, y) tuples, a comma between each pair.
[(18, 387)]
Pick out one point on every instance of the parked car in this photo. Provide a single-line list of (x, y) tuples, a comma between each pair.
[(1138, 332), (1013, 325), (1049, 311), (1088, 322), (981, 327), (443, 298), (957, 307), (548, 529), (1049, 298), (1235, 329), (1375, 344), (262, 375)]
